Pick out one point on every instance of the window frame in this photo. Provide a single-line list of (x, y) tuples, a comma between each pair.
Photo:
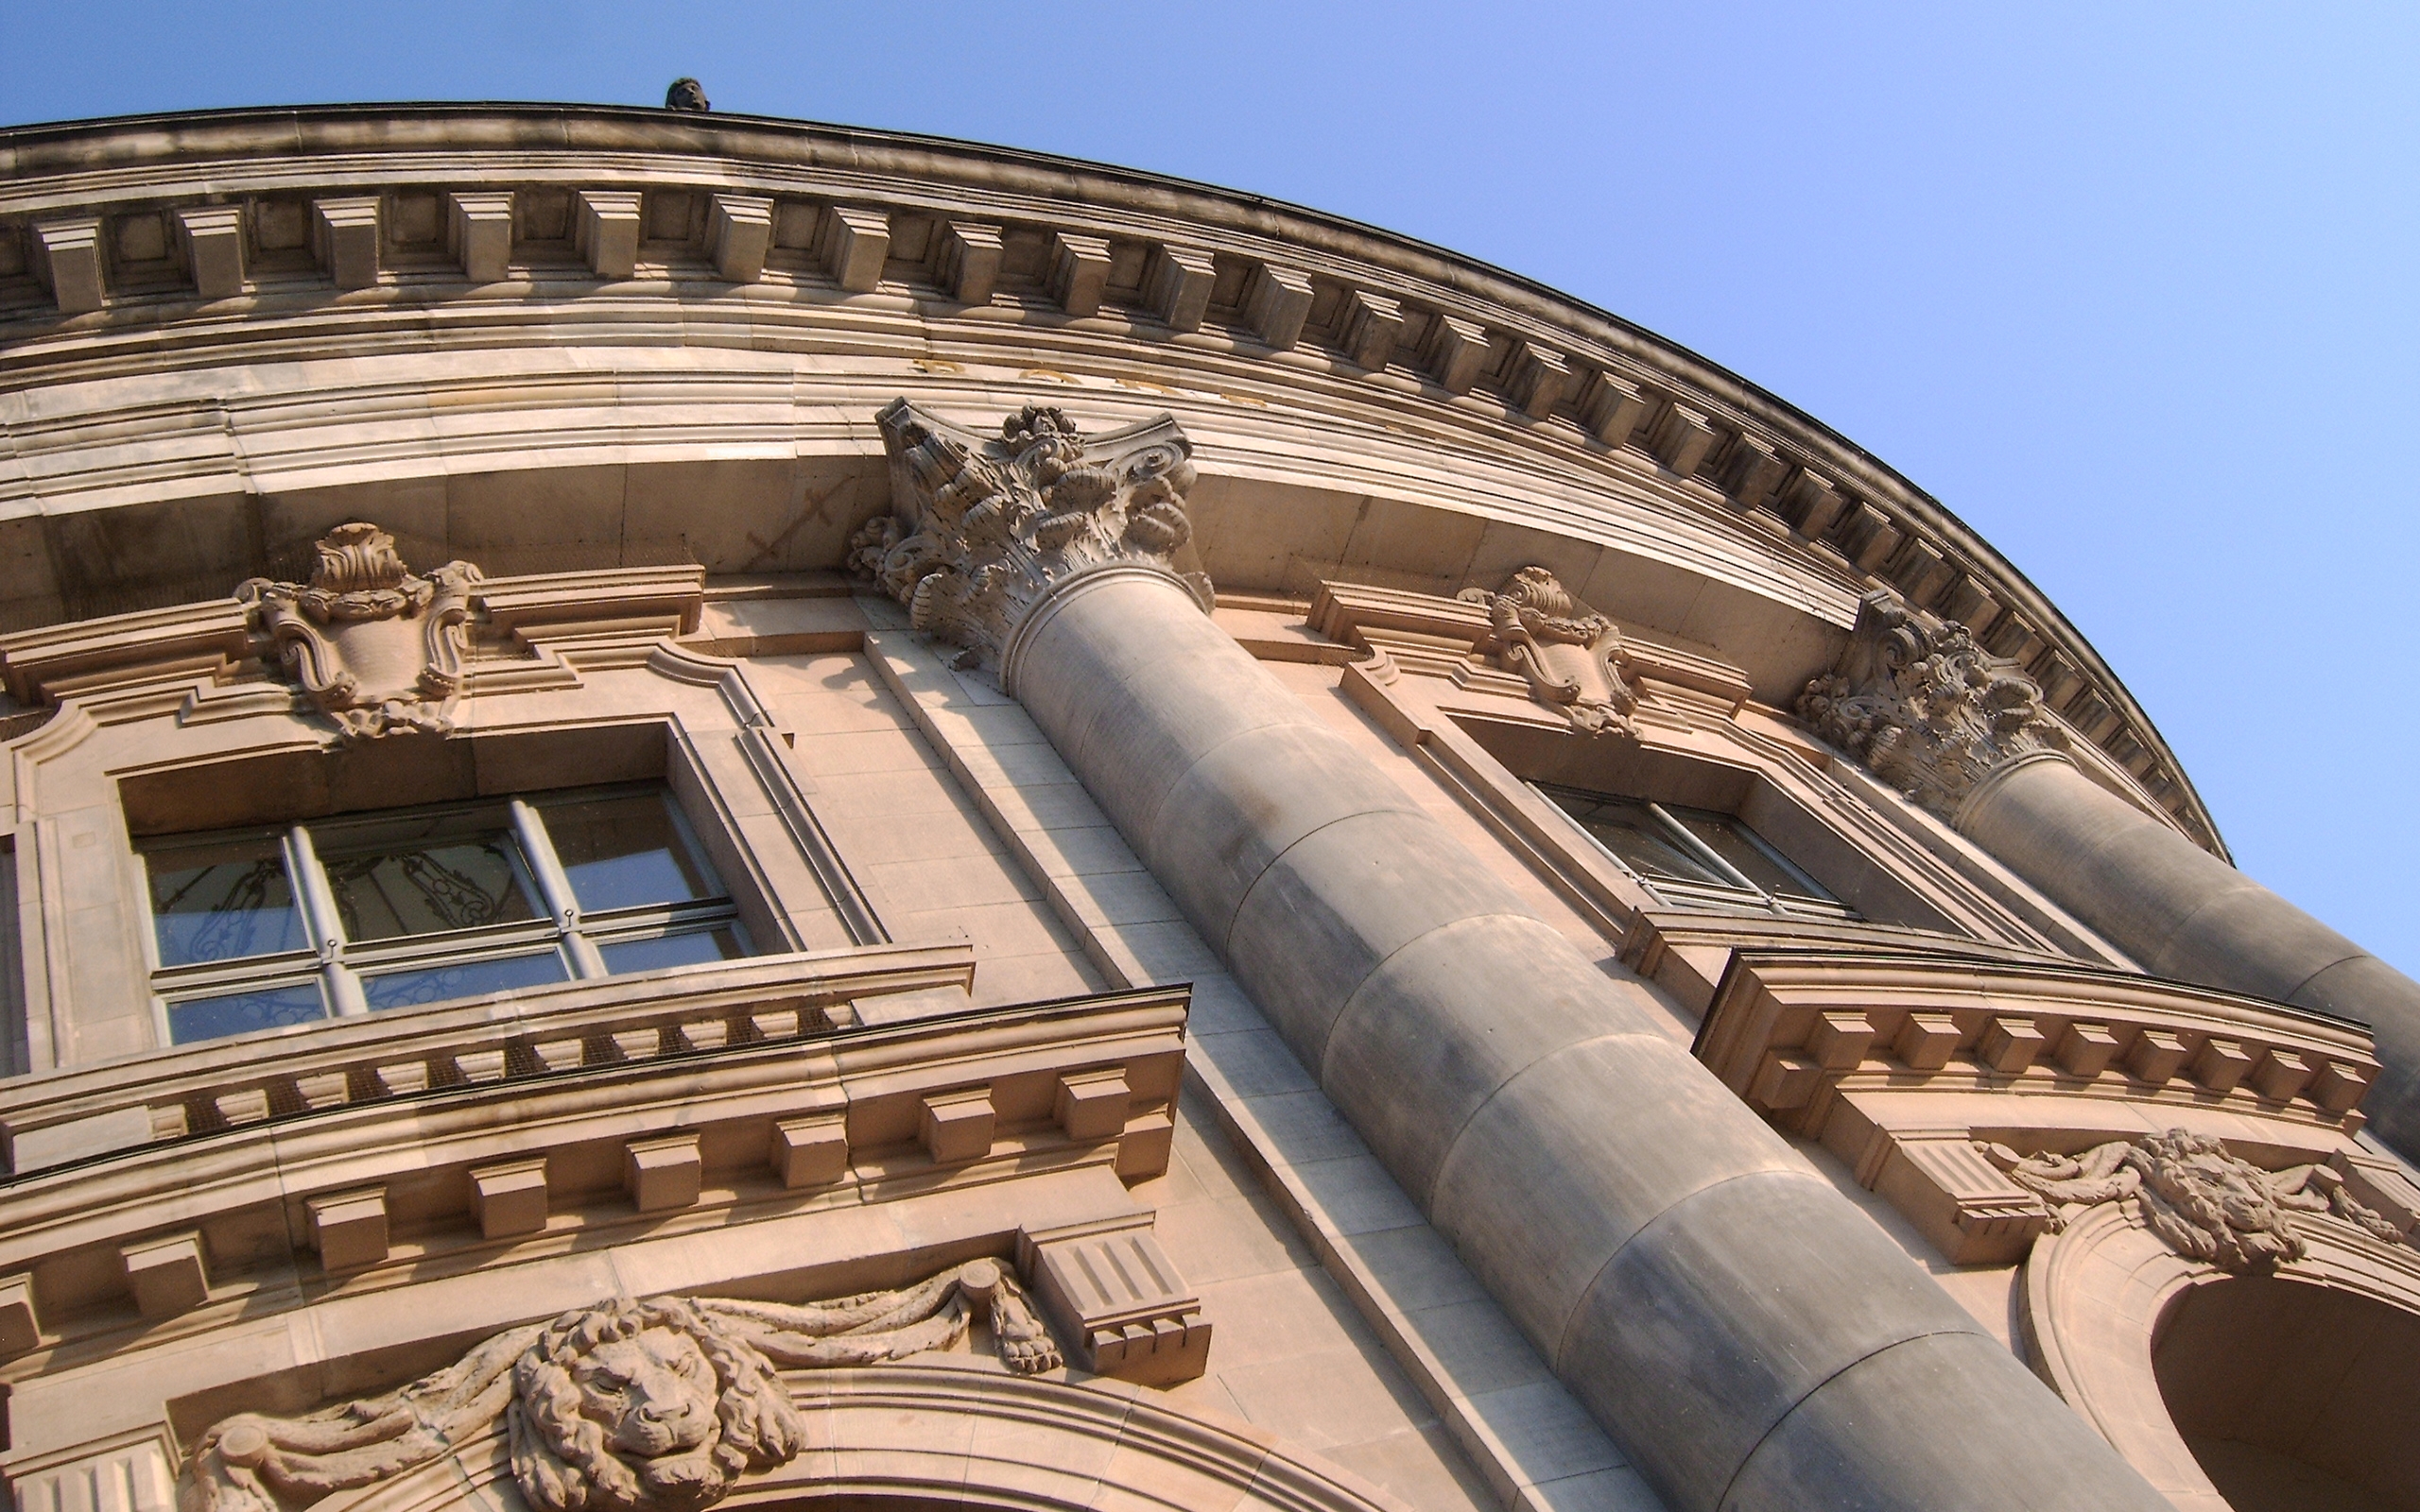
[(341, 967), (1742, 894)]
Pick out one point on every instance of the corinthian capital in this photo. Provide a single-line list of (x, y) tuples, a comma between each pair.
[(1925, 707), (983, 530)]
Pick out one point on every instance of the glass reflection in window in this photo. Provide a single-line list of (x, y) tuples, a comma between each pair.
[(433, 905), (223, 899)]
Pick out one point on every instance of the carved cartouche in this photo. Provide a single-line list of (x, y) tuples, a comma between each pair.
[(1567, 651), (374, 647)]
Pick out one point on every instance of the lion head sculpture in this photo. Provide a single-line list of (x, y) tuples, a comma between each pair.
[(2212, 1206), (2205, 1203), (643, 1404), (627, 1406)]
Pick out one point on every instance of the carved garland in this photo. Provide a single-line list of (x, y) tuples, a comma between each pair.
[(628, 1406), (2205, 1203), (1925, 707), (990, 528), (1567, 650), (376, 649)]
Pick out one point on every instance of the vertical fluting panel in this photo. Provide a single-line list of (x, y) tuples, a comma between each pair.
[(1749, 1336)]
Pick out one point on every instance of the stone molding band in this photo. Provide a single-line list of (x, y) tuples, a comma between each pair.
[(1367, 304)]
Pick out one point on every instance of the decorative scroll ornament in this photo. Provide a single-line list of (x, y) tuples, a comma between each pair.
[(1925, 707), (645, 1406), (984, 529), (1567, 650), (2208, 1205), (376, 649)]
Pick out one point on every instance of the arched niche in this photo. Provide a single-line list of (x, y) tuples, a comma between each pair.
[(905, 1438), (2296, 1397), (2289, 1392)]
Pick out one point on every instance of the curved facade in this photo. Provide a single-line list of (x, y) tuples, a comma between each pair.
[(708, 810)]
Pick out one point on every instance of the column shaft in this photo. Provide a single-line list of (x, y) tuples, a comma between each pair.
[(2183, 913), (1750, 1337)]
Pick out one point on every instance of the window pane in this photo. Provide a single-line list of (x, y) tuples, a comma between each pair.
[(625, 852), (671, 950), (223, 900), (241, 1012), (465, 979), (1736, 843), (1632, 833), (451, 871)]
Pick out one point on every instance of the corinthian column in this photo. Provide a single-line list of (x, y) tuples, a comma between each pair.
[(1748, 1336), (1961, 732)]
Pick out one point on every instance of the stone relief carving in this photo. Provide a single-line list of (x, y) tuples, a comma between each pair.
[(2206, 1203), (376, 649), (1567, 651), (1925, 707), (984, 529), (628, 1406)]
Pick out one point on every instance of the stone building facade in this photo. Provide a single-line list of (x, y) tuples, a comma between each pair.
[(711, 812)]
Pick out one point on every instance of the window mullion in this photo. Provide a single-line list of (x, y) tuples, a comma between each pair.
[(319, 916), (1698, 849), (556, 883)]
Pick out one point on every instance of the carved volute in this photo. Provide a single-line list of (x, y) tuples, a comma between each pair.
[(1925, 707), (1567, 651), (373, 647), (984, 530)]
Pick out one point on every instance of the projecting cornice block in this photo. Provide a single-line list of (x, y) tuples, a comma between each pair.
[(166, 1275), (605, 230), (739, 231), (1371, 329), (1455, 352), (854, 243), (479, 234), (1078, 271), (1612, 408), (67, 262), (1276, 303), (967, 259), (1539, 379), (213, 239), (1176, 284), (349, 1229), (344, 239)]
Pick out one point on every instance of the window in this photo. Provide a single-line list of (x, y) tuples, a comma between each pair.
[(1696, 858), (259, 928)]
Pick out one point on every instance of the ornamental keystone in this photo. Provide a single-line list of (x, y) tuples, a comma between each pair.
[(1924, 708), (985, 530)]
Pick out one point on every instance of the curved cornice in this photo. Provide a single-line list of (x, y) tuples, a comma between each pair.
[(1522, 371)]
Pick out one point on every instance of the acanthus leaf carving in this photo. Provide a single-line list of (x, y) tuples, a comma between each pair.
[(2201, 1201), (1568, 653), (1925, 707), (984, 530), (657, 1405), (375, 647)]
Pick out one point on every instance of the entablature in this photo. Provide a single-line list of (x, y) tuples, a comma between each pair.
[(394, 1151), (1934, 1079), (128, 246)]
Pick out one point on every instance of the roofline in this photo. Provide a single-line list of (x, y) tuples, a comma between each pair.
[(85, 147)]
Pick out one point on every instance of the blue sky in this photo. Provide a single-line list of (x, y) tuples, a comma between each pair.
[(2131, 289)]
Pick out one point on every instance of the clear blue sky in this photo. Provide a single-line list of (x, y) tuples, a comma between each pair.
[(2131, 288)]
